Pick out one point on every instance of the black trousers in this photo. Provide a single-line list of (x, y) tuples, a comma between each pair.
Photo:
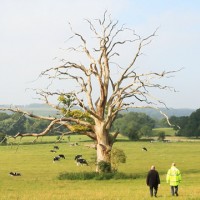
[(153, 190), (174, 190)]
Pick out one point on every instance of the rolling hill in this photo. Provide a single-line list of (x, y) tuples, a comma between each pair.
[(43, 109)]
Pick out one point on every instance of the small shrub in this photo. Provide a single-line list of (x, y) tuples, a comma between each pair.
[(117, 156), (104, 167)]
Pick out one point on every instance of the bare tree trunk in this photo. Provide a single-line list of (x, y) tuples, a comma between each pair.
[(103, 146)]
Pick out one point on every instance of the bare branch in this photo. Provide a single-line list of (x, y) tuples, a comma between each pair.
[(85, 49), (38, 134)]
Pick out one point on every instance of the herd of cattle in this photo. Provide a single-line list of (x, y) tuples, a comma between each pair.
[(78, 159)]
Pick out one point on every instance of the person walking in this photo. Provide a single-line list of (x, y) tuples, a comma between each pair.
[(153, 180), (173, 178)]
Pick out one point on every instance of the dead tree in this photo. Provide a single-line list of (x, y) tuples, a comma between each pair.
[(102, 86)]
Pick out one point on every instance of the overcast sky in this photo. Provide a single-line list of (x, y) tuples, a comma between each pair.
[(33, 32)]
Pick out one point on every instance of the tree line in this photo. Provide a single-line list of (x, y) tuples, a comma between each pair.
[(188, 126), (11, 124), (136, 125), (132, 124)]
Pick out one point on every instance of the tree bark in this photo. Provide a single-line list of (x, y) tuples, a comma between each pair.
[(103, 144)]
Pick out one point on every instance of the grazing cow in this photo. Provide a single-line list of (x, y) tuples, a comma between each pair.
[(77, 156), (61, 156), (53, 151), (144, 149), (15, 174), (57, 158), (56, 147), (81, 161)]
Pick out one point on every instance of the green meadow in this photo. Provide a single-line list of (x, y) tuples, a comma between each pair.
[(40, 181), (168, 131)]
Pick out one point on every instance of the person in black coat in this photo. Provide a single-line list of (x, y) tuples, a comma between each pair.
[(153, 180)]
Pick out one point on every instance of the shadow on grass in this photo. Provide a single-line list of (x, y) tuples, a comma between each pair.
[(140, 140)]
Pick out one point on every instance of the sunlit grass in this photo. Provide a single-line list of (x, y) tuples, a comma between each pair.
[(39, 178)]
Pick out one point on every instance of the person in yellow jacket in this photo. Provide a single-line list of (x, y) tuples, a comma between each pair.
[(173, 178)]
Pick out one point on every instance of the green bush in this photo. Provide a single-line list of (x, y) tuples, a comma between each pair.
[(104, 167), (117, 156), (96, 176)]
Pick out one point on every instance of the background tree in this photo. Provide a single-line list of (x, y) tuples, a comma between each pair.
[(4, 116), (189, 126), (134, 125), (179, 124), (146, 131), (102, 80), (3, 139), (163, 123), (12, 124)]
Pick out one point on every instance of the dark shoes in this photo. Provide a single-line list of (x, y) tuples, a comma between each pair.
[(154, 195), (175, 194)]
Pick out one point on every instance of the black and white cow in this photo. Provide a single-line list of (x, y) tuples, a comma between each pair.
[(56, 147), (56, 158), (61, 156), (15, 174), (144, 149), (81, 161), (77, 156)]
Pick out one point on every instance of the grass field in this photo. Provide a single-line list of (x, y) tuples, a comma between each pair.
[(168, 131), (39, 178)]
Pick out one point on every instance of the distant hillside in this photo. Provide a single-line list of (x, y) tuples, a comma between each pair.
[(43, 109), (170, 112), (38, 109)]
